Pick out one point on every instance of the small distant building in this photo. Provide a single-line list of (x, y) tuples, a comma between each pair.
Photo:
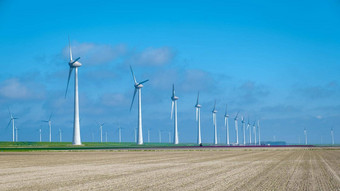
[(273, 143)]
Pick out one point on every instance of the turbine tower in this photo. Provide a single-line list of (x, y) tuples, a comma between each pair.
[(305, 132), (74, 64), (174, 110), (226, 123), (332, 134), (120, 134), (198, 119), (148, 135), (248, 126), (39, 135), (244, 131), (101, 131), (16, 136), (49, 125), (214, 111), (13, 123), (254, 129), (60, 136), (138, 88), (258, 127), (236, 127)]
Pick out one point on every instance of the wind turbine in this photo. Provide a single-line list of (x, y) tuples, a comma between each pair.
[(13, 123), (248, 126), (138, 87), (135, 131), (60, 135), (120, 134), (332, 134), (305, 132), (49, 125), (244, 131), (226, 122), (74, 64), (148, 135), (16, 136), (160, 136), (169, 136), (106, 136), (101, 131), (258, 127), (174, 110), (214, 111), (39, 135), (254, 129), (198, 119), (236, 127)]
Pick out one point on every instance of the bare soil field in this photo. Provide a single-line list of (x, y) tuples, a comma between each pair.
[(201, 169)]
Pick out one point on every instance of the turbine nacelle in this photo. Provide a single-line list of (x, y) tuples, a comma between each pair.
[(138, 86), (74, 64), (174, 98), (198, 106)]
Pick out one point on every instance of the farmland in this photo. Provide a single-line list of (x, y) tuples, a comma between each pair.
[(173, 169)]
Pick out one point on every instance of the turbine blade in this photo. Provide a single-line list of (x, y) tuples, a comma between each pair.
[(133, 98), (215, 105), (196, 113), (9, 123), (76, 60), (133, 75), (50, 116), (143, 82), (173, 90), (198, 96), (225, 121), (44, 121), (69, 46), (172, 108), (226, 109), (68, 80)]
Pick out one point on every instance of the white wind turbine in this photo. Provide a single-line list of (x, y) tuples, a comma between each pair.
[(39, 135), (74, 64), (148, 135), (226, 124), (198, 119), (49, 125), (332, 135), (244, 131), (13, 123), (60, 135), (120, 134), (305, 132), (258, 127), (174, 110), (16, 136), (160, 136), (254, 129), (214, 111), (248, 126), (101, 131), (138, 87), (236, 127)]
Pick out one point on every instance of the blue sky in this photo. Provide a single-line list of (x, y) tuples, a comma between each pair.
[(273, 61)]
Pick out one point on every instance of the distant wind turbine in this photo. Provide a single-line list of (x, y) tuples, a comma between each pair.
[(174, 112), (16, 136), (244, 131), (169, 133), (74, 64), (13, 123), (160, 136), (198, 119), (226, 124), (254, 129), (248, 126), (148, 135), (49, 125), (135, 131), (106, 136), (236, 127), (258, 127), (305, 132), (120, 134), (138, 88), (39, 135), (332, 135), (101, 131), (214, 111), (60, 135)]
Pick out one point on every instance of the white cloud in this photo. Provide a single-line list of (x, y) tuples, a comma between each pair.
[(15, 89), (153, 57)]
